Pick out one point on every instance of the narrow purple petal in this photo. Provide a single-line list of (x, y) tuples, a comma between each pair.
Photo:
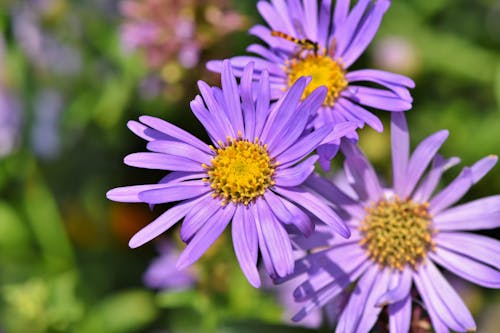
[(442, 293), (145, 132), (340, 130), (130, 193), (400, 315), (284, 109), (478, 214), (291, 131), (278, 207), (340, 13), (400, 291), (262, 103), (205, 237), (175, 192), (380, 76), (400, 145), (467, 268), (482, 167), (366, 183), (276, 239), (345, 33), (244, 248), (420, 159), (360, 113), (371, 311), (319, 209), (452, 193), (377, 98), (325, 19), (336, 196), (300, 219), (272, 18), (480, 248), (297, 174), (179, 149), (198, 216), (431, 180), (162, 223), (281, 9), (247, 101), (263, 246), (213, 127), (216, 110), (161, 161), (174, 131), (365, 32), (303, 147), (355, 308), (232, 97), (311, 20)]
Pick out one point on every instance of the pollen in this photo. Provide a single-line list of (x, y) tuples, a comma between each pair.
[(241, 171), (397, 233), (323, 69)]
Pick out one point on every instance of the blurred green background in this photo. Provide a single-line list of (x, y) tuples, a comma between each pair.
[(69, 82)]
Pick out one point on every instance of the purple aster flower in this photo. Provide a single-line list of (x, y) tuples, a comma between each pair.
[(251, 175), (304, 38), (162, 273), (398, 237)]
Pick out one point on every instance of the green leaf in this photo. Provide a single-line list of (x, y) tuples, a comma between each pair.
[(14, 236)]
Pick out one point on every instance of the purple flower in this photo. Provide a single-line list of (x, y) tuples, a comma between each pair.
[(251, 175), (398, 237), (306, 40), (162, 273)]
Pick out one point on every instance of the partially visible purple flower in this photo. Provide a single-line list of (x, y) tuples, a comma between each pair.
[(307, 38), (10, 122), (162, 273), (251, 175), (168, 30), (399, 235)]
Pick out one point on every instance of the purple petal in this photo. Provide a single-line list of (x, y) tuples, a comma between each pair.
[(430, 182), (297, 174), (448, 304), (318, 208), (272, 18), (345, 33), (175, 192), (325, 20), (161, 161), (205, 237), (174, 131), (162, 223), (198, 216), (420, 159), (216, 110), (244, 234), (278, 207), (366, 183), (213, 127), (480, 248), (276, 239), (371, 311), (247, 101), (479, 214), (311, 20), (376, 75), (360, 113), (400, 145), (482, 167), (400, 315), (262, 104), (179, 149), (300, 219), (303, 147), (145, 132), (263, 246), (467, 268), (355, 309), (336, 196), (377, 98), (130, 193), (452, 193), (232, 97), (340, 13), (398, 292)]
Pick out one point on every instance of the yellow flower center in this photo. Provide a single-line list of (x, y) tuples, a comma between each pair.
[(397, 233), (241, 171), (324, 72)]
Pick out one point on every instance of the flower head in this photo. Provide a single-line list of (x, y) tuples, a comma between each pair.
[(251, 174), (399, 235), (304, 39)]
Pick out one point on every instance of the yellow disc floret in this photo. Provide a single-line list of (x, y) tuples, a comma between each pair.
[(397, 233), (241, 171), (323, 69)]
